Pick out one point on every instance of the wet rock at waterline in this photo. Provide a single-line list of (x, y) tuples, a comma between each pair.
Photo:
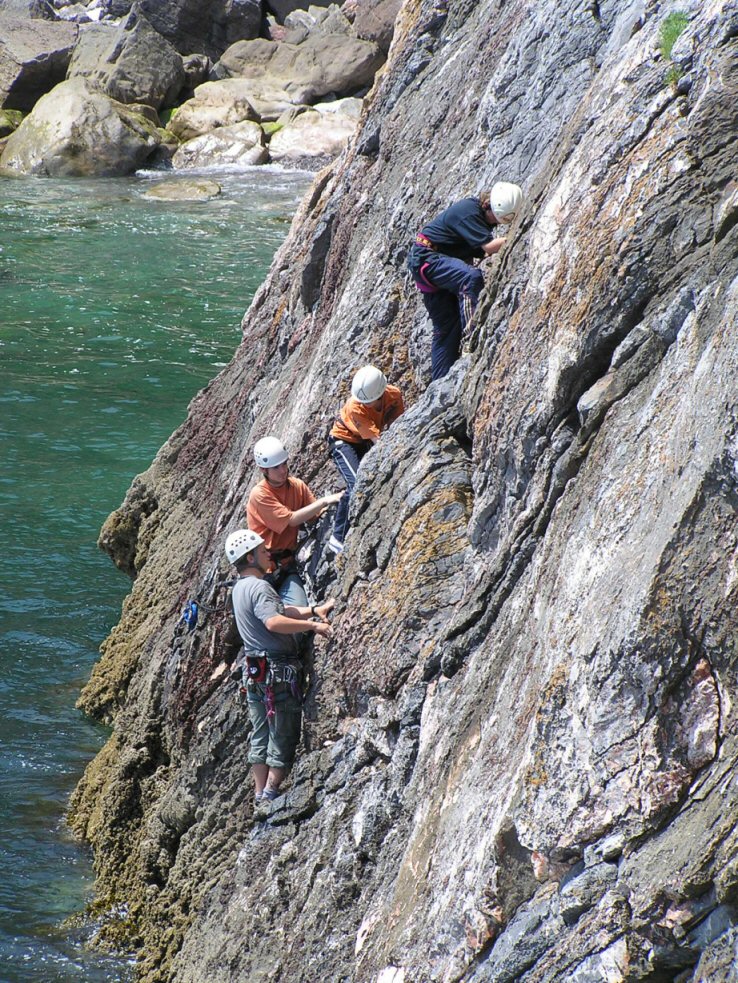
[(77, 131), (240, 145), (184, 189)]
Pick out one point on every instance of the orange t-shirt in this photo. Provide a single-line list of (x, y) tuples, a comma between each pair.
[(270, 509), (358, 422)]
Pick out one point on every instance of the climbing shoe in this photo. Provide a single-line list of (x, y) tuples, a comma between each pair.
[(335, 545)]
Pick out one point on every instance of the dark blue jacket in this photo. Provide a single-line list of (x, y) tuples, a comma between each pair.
[(461, 230)]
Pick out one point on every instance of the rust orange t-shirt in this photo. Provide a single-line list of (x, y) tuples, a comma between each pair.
[(270, 509), (358, 422)]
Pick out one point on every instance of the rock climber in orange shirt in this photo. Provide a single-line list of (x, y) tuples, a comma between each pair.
[(278, 505), (373, 406)]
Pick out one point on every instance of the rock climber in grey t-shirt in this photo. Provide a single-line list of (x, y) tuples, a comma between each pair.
[(269, 630)]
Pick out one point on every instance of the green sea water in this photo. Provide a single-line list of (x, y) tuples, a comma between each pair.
[(114, 311)]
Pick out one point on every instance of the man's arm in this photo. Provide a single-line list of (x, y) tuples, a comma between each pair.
[(313, 510), (281, 624), (490, 248), (295, 619)]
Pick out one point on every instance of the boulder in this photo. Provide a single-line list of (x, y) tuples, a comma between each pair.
[(208, 26), (322, 65), (373, 20), (10, 120), (186, 189), (283, 8), (34, 57), (37, 9), (78, 131), (131, 62), (241, 144), (315, 20), (196, 68), (318, 133), (215, 104), (78, 13)]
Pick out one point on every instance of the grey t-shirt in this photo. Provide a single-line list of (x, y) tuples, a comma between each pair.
[(254, 603)]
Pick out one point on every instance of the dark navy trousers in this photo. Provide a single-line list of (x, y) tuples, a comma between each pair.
[(450, 307), (347, 457)]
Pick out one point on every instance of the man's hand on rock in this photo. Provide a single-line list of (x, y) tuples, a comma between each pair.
[(332, 499), (323, 610), (321, 628)]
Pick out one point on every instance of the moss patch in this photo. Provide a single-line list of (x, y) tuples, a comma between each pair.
[(671, 27)]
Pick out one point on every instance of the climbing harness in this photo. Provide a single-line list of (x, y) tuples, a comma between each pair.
[(257, 668), (424, 241)]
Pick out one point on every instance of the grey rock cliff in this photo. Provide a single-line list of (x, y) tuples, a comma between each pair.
[(520, 757)]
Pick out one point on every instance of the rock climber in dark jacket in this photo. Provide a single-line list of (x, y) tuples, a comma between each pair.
[(441, 258)]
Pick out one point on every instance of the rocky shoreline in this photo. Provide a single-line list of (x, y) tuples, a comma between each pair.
[(520, 757), (107, 88)]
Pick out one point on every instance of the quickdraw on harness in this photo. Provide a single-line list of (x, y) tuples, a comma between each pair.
[(281, 674)]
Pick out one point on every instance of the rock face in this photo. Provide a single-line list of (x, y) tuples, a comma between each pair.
[(373, 20), (34, 56), (77, 131), (520, 756), (131, 62)]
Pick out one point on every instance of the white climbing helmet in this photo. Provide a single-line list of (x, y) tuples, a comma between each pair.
[(505, 199), (269, 452), (241, 542), (368, 384)]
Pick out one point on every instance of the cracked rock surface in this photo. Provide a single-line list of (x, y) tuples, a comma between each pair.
[(519, 754)]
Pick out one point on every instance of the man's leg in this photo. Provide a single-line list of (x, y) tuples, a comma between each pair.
[(292, 591), (460, 284), (259, 737), (284, 736), (347, 462), (443, 309)]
